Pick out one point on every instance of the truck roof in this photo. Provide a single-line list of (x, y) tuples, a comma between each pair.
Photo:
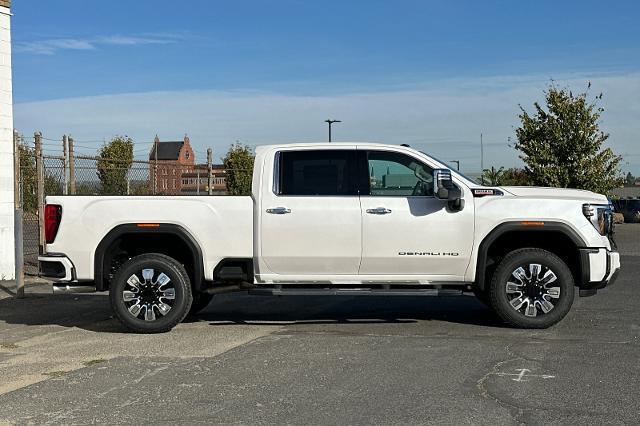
[(332, 144)]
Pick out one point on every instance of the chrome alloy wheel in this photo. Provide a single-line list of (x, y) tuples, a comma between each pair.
[(531, 288), (150, 297)]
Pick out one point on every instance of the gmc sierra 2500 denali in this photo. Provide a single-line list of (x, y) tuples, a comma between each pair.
[(336, 219)]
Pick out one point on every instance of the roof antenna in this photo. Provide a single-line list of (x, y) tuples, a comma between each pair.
[(406, 145)]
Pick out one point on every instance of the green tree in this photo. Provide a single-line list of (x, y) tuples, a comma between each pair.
[(493, 176), (239, 166), (561, 143), (515, 177), (29, 180), (139, 187), (114, 162), (630, 179)]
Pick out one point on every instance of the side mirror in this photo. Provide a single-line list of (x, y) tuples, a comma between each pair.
[(442, 183), (445, 189)]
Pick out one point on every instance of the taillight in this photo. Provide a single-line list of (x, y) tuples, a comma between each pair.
[(52, 216)]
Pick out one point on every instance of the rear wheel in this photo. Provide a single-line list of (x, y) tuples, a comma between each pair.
[(151, 293), (532, 288)]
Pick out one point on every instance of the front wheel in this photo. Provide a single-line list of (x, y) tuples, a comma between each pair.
[(151, 293), (532, 288)]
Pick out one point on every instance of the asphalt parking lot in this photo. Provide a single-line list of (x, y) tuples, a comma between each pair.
[(248, 359)]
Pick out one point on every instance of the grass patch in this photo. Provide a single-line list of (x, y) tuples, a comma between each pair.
[(8, 346), (93, 362)]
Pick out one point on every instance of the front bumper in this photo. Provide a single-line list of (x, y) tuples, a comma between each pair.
[(600, 268)]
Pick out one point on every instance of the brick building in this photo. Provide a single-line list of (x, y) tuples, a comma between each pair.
[(168, 162), (195, 182)]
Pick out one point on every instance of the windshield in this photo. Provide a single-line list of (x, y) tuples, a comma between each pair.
[(453, 170)]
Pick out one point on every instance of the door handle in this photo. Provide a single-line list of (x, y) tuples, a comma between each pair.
[(379, 210), (279, 210)]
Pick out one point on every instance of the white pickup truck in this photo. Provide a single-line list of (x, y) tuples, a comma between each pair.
[(336, 219)]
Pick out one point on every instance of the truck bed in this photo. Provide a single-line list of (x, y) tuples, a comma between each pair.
[(222, 226)]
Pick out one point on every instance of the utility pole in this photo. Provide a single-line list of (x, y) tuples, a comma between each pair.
[(155, 166), (65, 187), (72, 167), (210, 170), (40, 192), (330, 122), (481, 160), (17, 221)]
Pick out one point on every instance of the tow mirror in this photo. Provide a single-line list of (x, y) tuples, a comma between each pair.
[(445, 189)]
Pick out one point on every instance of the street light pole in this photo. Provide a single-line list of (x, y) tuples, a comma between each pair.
[(330, 122)]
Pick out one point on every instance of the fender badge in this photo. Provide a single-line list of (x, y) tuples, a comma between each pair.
[(482, 192)]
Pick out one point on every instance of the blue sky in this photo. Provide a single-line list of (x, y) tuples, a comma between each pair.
[(436, 73)]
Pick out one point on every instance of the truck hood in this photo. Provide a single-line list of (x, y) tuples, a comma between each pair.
[(556, 193)]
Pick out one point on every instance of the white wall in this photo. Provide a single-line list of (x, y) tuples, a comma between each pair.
[(7, 255)]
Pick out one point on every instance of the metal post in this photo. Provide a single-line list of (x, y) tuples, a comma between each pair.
[(40, 191), (481, 160), (65, 187), (210, 170), (72, 167), (197, 180), (155, 167), (17, 218), (330, 122)]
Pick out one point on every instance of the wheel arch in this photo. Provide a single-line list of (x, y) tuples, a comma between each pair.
[(557, 237), (144, 233)]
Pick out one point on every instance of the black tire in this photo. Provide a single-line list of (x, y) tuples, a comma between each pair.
[(142, 306), (534, 287), (200, 301)]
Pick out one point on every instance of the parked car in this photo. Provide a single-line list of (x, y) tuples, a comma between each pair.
[(336, 219), (630, 209)]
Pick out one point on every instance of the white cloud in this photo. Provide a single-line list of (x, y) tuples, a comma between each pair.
[(444, 118), (123, 40), (51, 46)]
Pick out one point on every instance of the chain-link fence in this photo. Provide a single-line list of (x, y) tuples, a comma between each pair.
[(41, 175)]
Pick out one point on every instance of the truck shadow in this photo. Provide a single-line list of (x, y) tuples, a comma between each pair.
[(293, 310), (92, 312)]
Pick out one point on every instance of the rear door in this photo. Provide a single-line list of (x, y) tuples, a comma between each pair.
[(310, 220)]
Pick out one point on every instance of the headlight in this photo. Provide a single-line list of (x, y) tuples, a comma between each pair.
[(600, 216)]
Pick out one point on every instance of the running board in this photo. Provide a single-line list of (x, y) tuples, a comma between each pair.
[(283, 291), (73, 289)]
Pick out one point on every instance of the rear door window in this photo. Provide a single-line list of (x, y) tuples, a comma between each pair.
[(317, 172)]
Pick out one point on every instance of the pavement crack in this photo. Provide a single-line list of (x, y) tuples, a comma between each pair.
[(515, 411)]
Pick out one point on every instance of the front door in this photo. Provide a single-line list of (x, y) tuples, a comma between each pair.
[(311, 224), (408, 234)]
